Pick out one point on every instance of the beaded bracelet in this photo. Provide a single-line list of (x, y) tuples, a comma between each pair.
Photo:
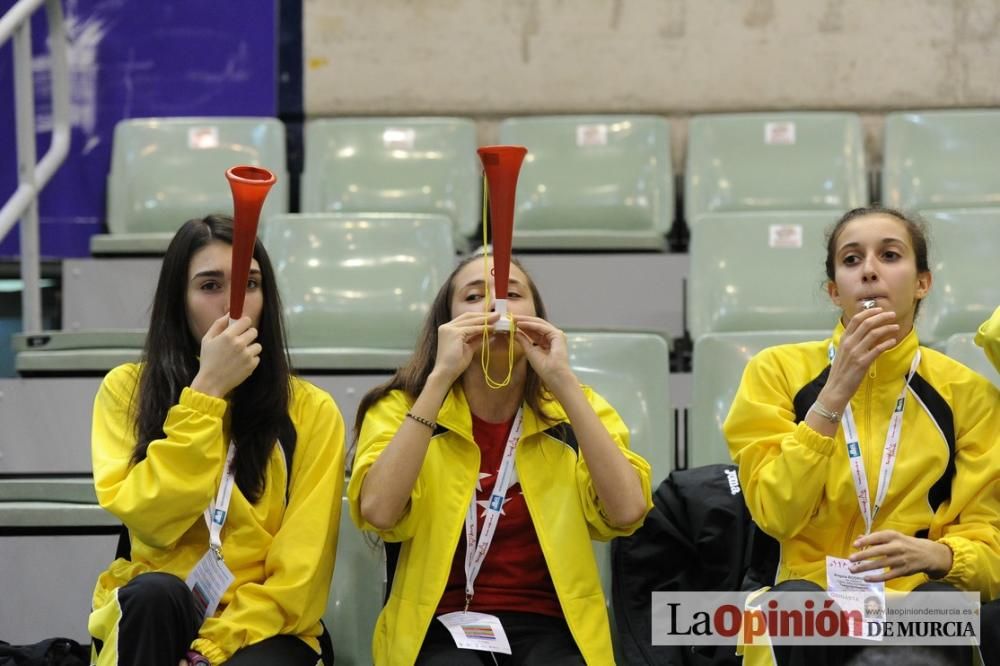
[(419, 419), (832, 417)]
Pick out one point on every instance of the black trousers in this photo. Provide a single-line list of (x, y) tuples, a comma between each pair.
[(159, 621), (535, 640), (837, 655)]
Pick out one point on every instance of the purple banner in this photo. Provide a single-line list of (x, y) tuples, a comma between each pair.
[(133, 60)]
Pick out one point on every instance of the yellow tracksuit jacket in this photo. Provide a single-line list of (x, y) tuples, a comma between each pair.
[(282, 556), (798, 486), (561, 500)]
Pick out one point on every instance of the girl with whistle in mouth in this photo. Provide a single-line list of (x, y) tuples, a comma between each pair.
[(226, 469), (871, 459), (493, 468)]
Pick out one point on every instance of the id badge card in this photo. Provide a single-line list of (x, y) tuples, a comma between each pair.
[(208, 581), (476, 631), (854, 594)]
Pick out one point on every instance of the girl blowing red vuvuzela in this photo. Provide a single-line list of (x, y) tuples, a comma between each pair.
[(226, 468), (493, 478)]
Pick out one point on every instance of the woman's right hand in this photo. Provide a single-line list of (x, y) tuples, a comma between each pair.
[(458, 341), (228, 356), (865, 338)]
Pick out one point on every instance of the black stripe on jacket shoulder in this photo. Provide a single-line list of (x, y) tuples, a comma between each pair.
[(807, 395), (941, 412), (564, 433)]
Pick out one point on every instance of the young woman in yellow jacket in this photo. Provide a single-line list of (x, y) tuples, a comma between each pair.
[(209, 396), (430, 473), (934, 518)]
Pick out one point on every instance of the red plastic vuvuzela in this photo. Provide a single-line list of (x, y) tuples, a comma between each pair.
[(502, 165), (250, 186)]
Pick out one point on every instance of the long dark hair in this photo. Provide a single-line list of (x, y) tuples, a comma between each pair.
[(412, 377), (258, 406)]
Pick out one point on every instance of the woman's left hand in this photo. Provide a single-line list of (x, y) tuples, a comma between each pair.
[(896, 555), (545, 347)]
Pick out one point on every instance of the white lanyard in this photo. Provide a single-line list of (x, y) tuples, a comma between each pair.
[(216, 514), (889, 452), (476, 549)]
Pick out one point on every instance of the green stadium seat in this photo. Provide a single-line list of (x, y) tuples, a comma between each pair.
[(719, 360), (37, 517), (357, 287), (964, 248), (746, 162), (759, 271), (631, 371), (357, 593), (76, 352), (48, 488), (941, 159), (403, 165), (592, 182), (963, 348), (165, 171)]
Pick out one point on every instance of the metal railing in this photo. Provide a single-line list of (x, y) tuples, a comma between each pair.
[(33, 175)]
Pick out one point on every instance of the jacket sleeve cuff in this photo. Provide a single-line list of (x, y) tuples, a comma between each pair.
[(206, 404), (211, 651), (961, 560), (811, 439)]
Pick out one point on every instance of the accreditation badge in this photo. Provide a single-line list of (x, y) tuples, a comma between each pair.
[(208, 581), (476, 631)]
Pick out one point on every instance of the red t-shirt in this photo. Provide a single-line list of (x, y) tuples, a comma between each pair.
[(514, 576)]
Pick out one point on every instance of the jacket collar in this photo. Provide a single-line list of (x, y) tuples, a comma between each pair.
[(892, 363), (456, 416)]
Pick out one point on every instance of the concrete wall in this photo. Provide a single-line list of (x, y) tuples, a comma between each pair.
[(489, 59)]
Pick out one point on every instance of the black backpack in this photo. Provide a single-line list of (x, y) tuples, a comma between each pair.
[(698, 537), (50, 652)]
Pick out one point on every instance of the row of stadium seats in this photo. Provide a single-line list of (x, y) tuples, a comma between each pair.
[(760, 271), (356, 288), (588, 182)]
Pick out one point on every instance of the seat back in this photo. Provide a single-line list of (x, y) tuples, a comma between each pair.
[(592, 181), (165, 171), (963, 348), (403, 165), (759, 271), (632, 372), (356, 282), (774, 161), (966, 275), (719, 361), (356, 595), (941, 159)]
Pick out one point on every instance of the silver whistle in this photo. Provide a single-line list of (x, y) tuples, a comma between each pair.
[(868, 303)]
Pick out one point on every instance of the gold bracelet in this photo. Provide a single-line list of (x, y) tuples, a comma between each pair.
[(832, 417), (421, 420)]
